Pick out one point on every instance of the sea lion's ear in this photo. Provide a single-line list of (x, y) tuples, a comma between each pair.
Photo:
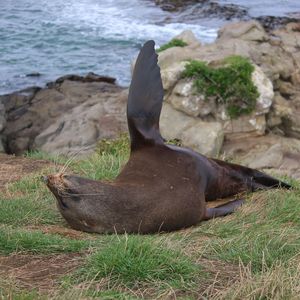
[(145, 99)]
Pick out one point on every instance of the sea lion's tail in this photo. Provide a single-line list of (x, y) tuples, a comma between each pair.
[(145, 99)]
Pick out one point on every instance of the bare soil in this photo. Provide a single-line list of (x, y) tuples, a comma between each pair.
[(13, 168), (38, 272)]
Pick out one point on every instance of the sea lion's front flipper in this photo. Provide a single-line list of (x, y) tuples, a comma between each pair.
[(145, 99), (223, 210)]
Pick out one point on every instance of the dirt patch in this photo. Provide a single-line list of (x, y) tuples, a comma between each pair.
[(63, 231), (13, 168), (38, 272)]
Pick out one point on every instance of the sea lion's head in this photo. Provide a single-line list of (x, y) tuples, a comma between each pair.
[(72, 193), (64, 189)]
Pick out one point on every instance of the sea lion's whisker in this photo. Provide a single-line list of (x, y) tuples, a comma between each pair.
[(71, 158)]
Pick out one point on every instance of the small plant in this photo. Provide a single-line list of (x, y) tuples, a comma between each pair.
[(133, 259), (230, 84), (172, 43)]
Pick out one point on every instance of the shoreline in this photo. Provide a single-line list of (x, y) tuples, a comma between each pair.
[(210, 14)]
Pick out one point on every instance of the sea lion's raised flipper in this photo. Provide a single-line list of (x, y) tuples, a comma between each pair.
[(223, 210), (145, 99), (256, 180)]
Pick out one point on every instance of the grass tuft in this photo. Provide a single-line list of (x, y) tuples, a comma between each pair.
[(16, 240), (172, 43), (230, 84), (132, 260)]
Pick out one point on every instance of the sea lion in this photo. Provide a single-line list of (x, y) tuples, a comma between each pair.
[(162, 187)]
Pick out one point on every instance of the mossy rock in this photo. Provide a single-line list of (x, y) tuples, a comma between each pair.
[(230, 83)]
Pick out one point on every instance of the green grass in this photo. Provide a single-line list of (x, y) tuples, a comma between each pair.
[(58, 159), (28, 202), (230, 83), (106, 162), (262, 238), (19, 240), (172, 43), (12, 293), (132, 260)]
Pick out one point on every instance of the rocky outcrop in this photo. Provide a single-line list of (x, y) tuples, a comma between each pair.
[(193, 10), (276, 76), (70, 114), (2, 125), (73, 113)]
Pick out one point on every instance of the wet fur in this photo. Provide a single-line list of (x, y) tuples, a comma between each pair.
[(162, 187)]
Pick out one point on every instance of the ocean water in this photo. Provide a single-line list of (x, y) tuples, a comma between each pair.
[(56, 37)]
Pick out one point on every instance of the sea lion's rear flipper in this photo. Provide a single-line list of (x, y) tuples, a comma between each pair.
[(255, 179), (145, 99), (223, 210)]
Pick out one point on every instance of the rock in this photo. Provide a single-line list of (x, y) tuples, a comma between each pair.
[(281, 109), (186, 99), (246, 125), (271, 153), (286, 88), (90, 77), (295, 78), (35, 112), (175, 55), (272, 158), (247, 31), (78, 130), (174, 122), (205, 9), (188, 37), (33, 74), (203, 137), (265, 89), (171, 74)]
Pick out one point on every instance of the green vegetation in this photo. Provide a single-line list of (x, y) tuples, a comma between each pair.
[(28, 203), (58, 159), (137, 259), (262, 238), (230, 83), (18, 240), (172, 43), (252, 254)]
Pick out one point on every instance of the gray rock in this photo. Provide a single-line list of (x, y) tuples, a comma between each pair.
[(36, 112), (78, 130), (265, 89), (188, 37), (203, 137), (248, 31)]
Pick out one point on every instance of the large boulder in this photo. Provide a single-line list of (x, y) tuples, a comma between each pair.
[(79, 129), (32, 111)]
